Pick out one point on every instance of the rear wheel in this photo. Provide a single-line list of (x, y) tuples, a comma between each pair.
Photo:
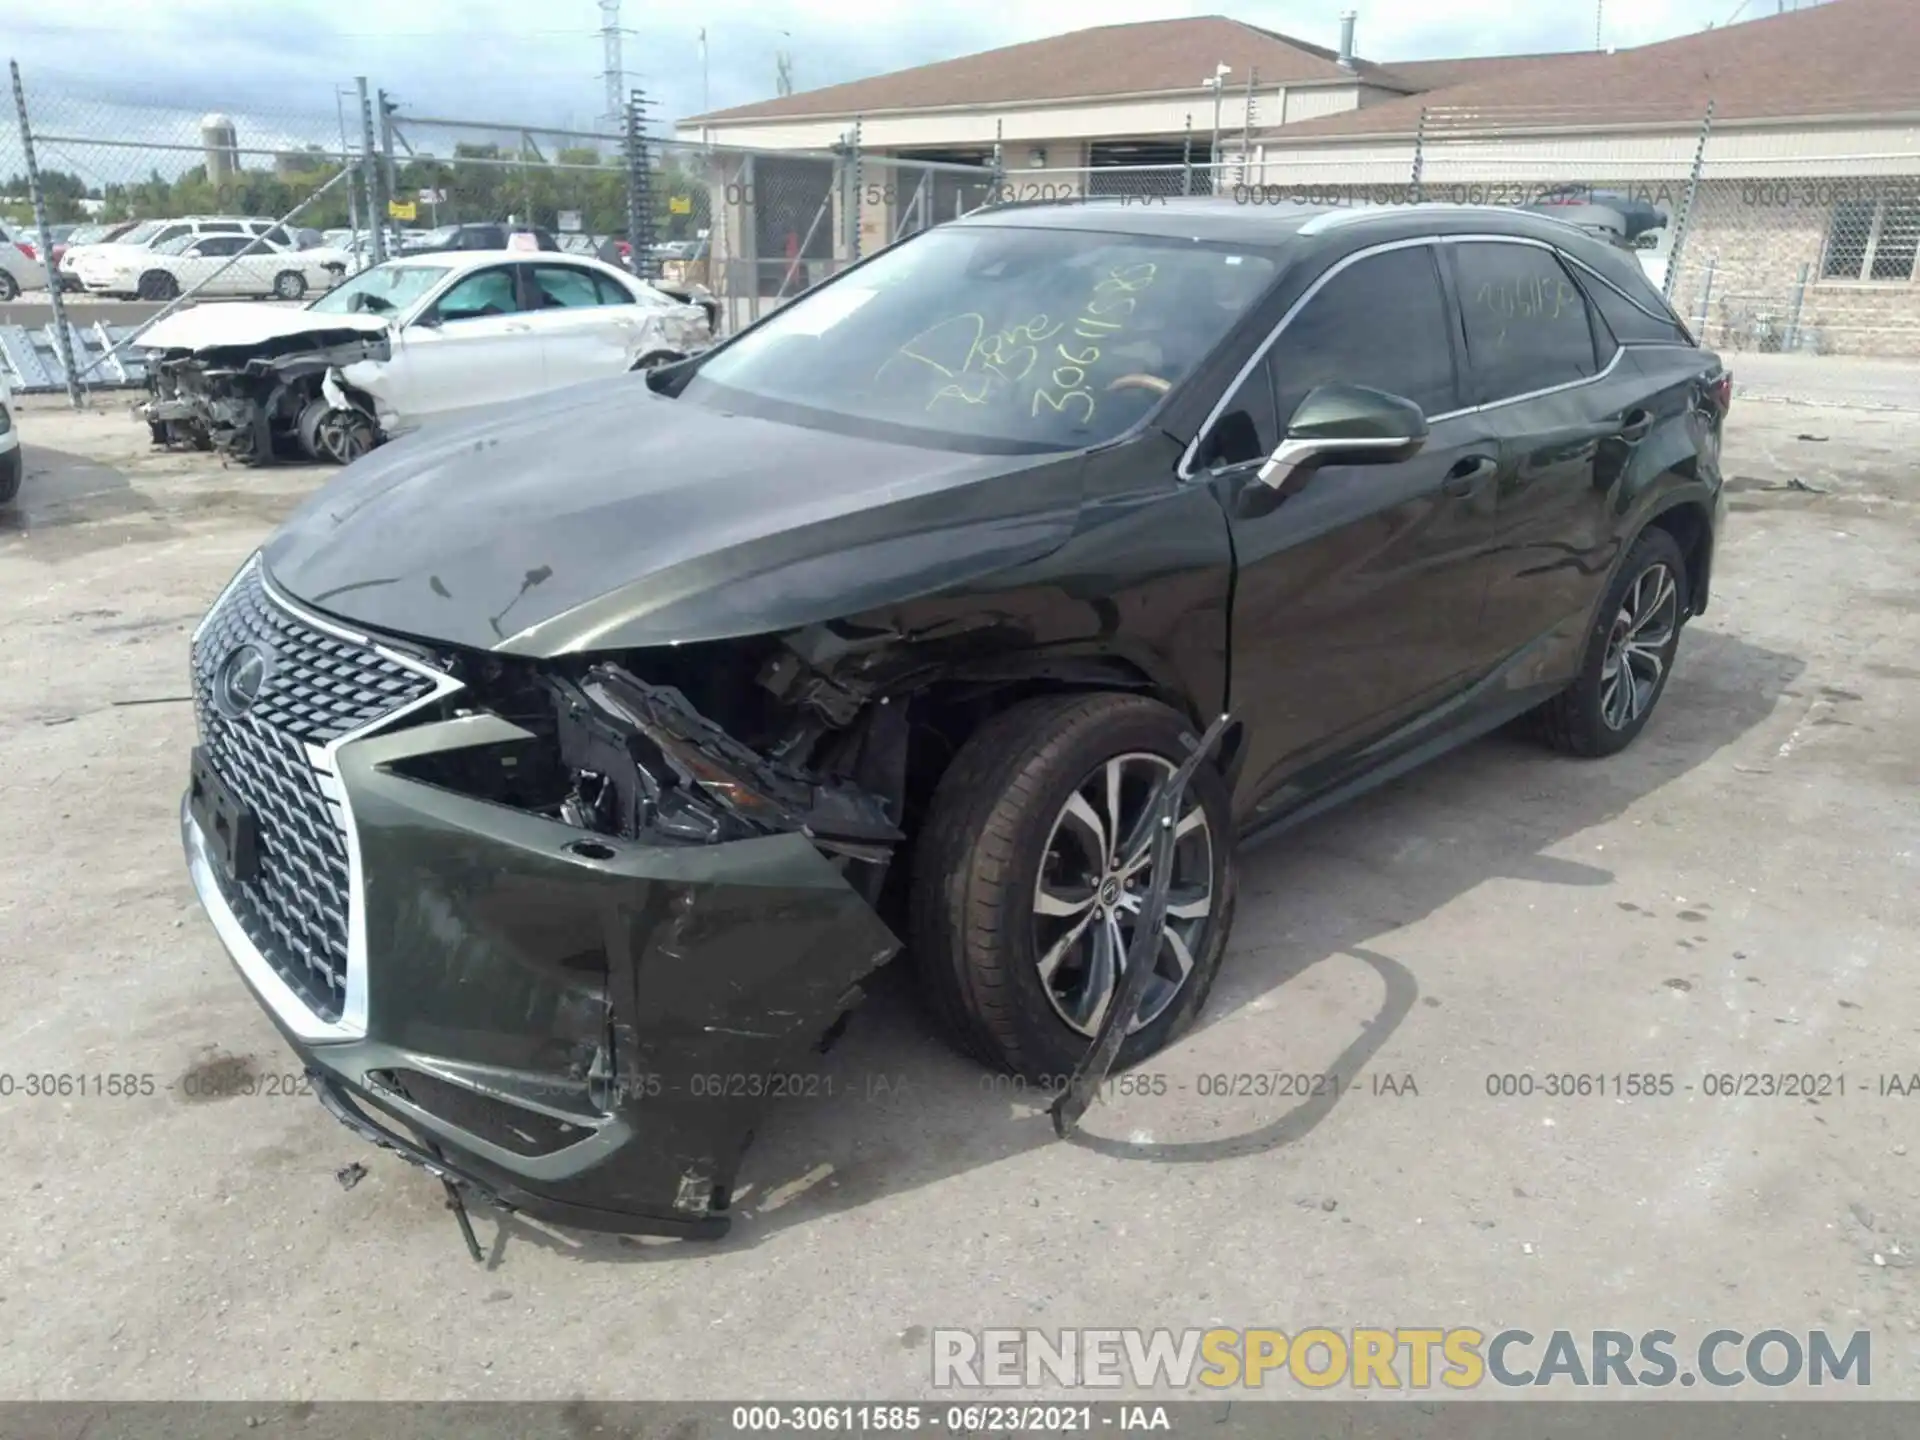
[(1629, 654), (1028, 880)]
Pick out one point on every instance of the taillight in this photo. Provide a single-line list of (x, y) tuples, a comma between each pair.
[(1720, 391), (26, 250)]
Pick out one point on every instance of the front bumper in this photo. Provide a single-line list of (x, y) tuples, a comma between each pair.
[(590, 1038)]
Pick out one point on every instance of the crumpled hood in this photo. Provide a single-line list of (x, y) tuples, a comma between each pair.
[(213, 327), (606, 516)]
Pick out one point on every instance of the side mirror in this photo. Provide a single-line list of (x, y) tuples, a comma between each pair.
[(430, 320), (1345, 425)]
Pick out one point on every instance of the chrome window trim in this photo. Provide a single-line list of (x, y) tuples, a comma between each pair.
[(265, 981), (1186, 471)]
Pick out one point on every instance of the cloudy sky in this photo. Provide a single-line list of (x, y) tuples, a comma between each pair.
[(541, 62)]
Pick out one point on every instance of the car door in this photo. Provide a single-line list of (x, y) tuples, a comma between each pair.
[(584, 337), (1357, 599), (1548, 370), (471, 347)]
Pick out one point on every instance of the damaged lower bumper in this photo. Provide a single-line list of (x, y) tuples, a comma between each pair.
[(579, 1024), (587, 1039)]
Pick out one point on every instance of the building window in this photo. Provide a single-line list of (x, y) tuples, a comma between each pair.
[(1874, 239)]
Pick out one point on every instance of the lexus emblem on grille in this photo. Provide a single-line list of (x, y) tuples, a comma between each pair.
[(240, 679)]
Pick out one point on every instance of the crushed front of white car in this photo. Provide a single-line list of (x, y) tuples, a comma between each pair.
[(247, 379)]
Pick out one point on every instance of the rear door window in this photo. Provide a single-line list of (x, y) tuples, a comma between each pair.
[(1527, 323), (1381, 322), (563, 287)]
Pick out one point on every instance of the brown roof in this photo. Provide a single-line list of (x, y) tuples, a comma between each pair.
[(1437, 74), (1156, 56), (1847, 57)]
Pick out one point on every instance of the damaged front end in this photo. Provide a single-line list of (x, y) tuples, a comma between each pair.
[(555, 930), (264, 399)]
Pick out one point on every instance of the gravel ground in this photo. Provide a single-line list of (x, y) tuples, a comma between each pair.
[(1735, 894)]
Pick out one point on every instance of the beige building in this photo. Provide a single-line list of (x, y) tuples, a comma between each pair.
[(1803, 232)]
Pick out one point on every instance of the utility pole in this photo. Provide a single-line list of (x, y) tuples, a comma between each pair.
[(1599, 16), (783, 68), (706, 94), (614, 74)]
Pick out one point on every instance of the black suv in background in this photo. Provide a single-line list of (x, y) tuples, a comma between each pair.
[(564, 776), (483, 237)]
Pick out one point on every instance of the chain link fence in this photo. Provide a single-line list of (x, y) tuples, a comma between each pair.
[(1758, 244), (285, 201)]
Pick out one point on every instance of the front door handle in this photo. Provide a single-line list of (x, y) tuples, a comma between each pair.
[(1638, 423), (1467, 474)]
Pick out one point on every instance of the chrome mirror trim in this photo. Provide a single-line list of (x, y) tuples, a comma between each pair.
[(1292, 454)]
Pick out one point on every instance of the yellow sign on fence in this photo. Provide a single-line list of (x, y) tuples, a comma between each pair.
[(401, 209), (679, 204)]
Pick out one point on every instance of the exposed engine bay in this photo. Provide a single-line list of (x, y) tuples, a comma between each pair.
[(261, 402)]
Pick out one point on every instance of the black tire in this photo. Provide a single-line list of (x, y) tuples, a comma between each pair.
[(1586, 719), (12, 470), (979, 859), (9, 287), (158, 285), (289, 285)]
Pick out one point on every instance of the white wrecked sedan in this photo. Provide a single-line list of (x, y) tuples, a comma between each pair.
[(401, 344)]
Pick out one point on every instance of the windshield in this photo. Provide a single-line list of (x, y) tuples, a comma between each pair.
[(445, 235), (1045, 339), (143, 232), (384, 290)]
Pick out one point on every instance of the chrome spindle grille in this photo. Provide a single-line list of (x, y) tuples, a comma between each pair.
[(318, 687)]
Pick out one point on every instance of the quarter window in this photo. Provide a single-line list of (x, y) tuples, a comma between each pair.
[(1629, 321), (1527, 323), (1249, 428), (1381, 322)]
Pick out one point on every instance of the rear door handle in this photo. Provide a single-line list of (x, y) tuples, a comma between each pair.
[(1467, 474), (1638, 423)]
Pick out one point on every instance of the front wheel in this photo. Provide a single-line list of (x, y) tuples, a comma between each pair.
[(1028, 879), (158, 285), (289, 285), (9, 287), (1629, 654)]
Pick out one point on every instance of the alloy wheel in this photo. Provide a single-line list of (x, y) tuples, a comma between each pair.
[(1094, 875), (1636, 647)]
